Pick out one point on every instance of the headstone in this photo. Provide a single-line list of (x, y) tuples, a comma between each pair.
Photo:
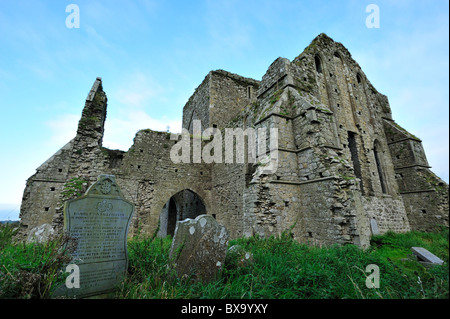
[(40, 234), (425, 256), (199, 248), (238, 256), (99, 222), (374, 227)]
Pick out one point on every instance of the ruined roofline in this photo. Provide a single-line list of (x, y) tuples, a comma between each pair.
[(97, 84), (220, 72), (236, 77), (322, 41)]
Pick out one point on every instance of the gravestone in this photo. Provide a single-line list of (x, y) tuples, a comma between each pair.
[(99, 222), (40, 234), (425, 256), (199, 248), (374, 227)]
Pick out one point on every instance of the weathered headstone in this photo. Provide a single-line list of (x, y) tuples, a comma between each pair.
[(199, 248), (40, 234), (99, 222), (374, 227), (238, 256), (425, 256)]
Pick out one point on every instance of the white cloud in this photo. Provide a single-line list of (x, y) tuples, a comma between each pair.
[(119, 132), (63, 128), (135, 91)]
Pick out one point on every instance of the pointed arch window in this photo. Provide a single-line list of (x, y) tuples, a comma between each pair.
[(318, 64)]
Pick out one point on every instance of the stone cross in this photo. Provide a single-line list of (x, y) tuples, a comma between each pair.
[(99, 222), (199, 248)]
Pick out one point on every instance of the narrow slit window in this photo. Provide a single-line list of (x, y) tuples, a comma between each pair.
[(318, 64)]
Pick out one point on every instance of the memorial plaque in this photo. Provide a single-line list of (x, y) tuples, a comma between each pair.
[(99, 221)]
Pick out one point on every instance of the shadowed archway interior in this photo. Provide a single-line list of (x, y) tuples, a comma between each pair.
[(184, 204)]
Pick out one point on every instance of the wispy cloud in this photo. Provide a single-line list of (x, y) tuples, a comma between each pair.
[(119, 132), (63, 128)]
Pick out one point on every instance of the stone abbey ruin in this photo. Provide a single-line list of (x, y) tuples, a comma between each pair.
[(346, 169)]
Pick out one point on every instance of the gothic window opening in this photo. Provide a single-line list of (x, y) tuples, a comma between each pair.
[(355, 158), (318, 64), (358, 78)]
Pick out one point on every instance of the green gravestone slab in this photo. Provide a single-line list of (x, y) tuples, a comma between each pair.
[(99, 222)]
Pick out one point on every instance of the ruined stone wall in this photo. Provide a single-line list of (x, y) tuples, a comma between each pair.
[(197, 107), (41, 195), (229, 94), (425, 195), (341, 160)]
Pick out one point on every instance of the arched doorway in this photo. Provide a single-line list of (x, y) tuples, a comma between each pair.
[(184, 204)]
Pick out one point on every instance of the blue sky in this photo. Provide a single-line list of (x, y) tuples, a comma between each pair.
[(152, 55)]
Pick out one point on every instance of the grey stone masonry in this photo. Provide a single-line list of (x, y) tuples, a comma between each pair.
[(342, 162)]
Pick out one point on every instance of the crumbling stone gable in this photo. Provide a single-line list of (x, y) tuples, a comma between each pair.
[(343, 163)]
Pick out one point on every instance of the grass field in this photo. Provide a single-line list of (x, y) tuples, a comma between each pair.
[(281, 269)]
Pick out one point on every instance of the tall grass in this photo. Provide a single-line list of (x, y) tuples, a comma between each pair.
[(281, 268), (31, 270)]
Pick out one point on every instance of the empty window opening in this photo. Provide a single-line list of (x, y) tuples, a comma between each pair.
[(142, 151), (310, 234), (60, 170), (139, 166), (423, 211), (176, 170), (355, 157), (52, 189), (318, 64), (286, 203), (46, 209), (249, 92), (358, 78), (214, 216), (397, 156), (214, 125)]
